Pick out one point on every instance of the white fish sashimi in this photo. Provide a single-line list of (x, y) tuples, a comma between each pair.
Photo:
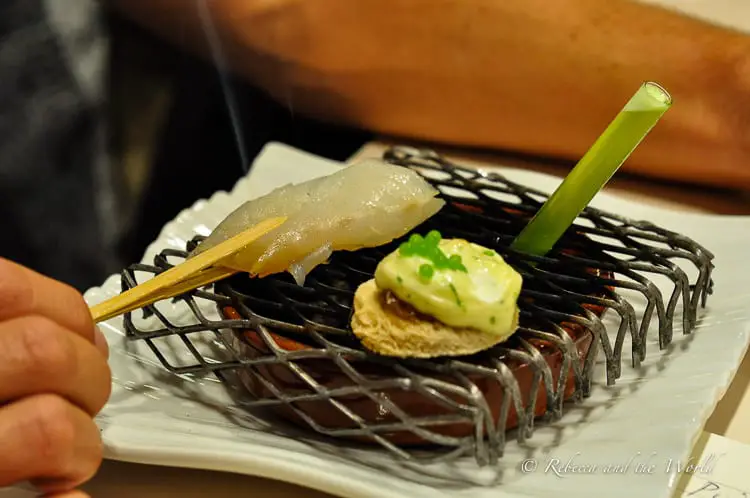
[(367, 204)]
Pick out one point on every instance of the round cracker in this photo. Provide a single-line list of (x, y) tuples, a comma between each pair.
[(384, 330)]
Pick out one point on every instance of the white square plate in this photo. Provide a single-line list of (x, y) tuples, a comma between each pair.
[(651, 417)]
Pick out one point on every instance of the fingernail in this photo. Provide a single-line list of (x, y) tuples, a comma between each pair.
[(101, 342)]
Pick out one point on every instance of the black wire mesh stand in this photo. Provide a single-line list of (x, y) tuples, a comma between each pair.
[(289, 350)]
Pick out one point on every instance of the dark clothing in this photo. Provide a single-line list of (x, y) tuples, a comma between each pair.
[(57, 202)]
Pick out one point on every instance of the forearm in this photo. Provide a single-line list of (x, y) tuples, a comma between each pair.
[(530, 75)]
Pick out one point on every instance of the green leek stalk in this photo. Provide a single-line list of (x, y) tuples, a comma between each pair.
[(594, 169)]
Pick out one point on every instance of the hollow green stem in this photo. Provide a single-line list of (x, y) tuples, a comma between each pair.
[(594, 169)]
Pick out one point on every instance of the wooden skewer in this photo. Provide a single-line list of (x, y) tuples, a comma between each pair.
[(197, 281), (191, 274)]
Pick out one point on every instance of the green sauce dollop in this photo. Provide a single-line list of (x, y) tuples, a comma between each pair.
[(454, 281)]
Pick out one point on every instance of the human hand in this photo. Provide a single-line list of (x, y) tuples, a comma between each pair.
[(54, 378)]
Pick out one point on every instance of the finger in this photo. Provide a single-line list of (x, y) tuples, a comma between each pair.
[(39, 356), (48, 441), (101, 343), (25, 292), (68, 494)]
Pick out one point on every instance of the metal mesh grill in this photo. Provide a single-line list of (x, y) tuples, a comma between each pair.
[(288, 349)]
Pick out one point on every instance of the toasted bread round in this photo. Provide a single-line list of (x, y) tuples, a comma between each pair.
[(390, 327)]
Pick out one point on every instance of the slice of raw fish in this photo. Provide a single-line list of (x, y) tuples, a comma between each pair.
[(367, 204)]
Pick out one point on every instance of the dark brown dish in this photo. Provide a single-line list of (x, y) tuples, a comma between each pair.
[(250, 344)]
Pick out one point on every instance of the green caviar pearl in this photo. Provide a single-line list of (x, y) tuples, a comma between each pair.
[(426, 272), (412, 246), (489, 253), (433, 237)]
